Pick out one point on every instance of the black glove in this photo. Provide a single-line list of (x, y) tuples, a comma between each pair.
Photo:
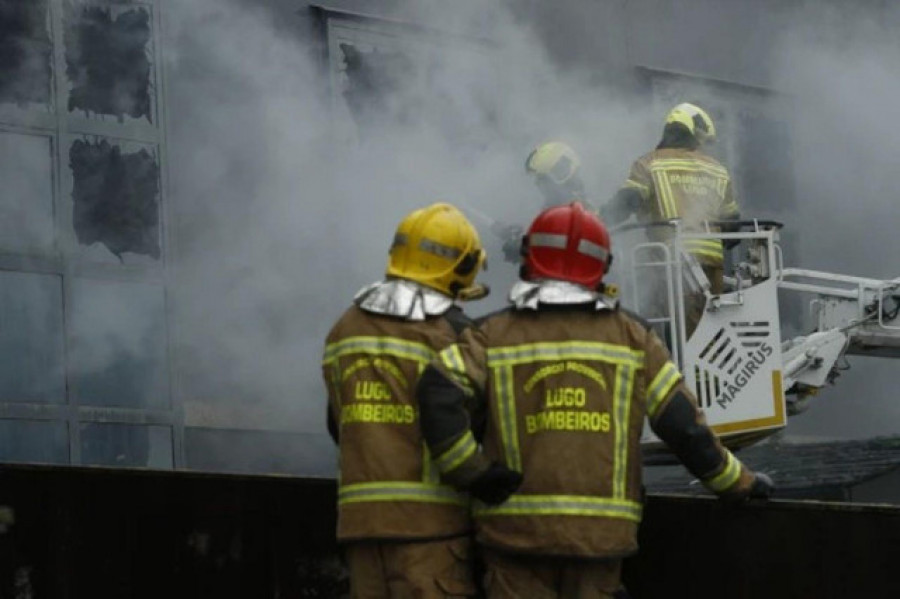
[(495, 484), (762, 487)]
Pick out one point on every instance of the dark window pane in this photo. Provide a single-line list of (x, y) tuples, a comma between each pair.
[(25, 52), (115, 197), (34, 441), (107, 60), (118, 352), (31, 338), (26, 204), (126, 445)]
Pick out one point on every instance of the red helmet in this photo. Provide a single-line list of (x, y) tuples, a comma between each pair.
[(567, 243)]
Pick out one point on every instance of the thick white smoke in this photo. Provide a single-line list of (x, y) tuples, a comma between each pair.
[(282, 207), (839, 67)]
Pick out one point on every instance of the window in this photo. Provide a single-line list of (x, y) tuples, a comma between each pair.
[(26, 204), (25, 52)]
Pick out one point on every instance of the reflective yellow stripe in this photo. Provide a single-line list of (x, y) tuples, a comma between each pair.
[(399, 491), (643, 189), (506, 408), (562, 505), (711, 248), (458, 453), (621, 411), (667, 377), (673, 164), (452, 358), (727, 477), (565, 350), (391, 346), (667, 207), (429, 472)]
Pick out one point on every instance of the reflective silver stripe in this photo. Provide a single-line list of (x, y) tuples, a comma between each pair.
[(589, 248), (399, 491), (439, 249), (667, 377), (393, 346), (562, 505), (400, 239), (565, 350), (548, 240), (729, 475), (458, 453), (506, 408), (621, 412)]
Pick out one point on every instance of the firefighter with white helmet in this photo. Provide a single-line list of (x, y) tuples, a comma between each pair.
[(557, 387), (678, 180), (404, 533)]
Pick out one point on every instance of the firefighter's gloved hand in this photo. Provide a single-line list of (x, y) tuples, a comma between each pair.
[(762, 487), (495, 484)]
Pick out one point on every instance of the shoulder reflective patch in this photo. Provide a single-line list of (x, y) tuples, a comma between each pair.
[(725, 479), (565, 350), (644, 190), (667, 377), (400, 491), (458, 453), (393, 346), (562, 505), (452, 360)]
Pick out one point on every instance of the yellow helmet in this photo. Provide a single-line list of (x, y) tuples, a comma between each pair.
[(438, 247), (697, 121), (555, 160)]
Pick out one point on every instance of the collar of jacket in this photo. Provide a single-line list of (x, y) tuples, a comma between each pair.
[(527, 295), (403, 299)]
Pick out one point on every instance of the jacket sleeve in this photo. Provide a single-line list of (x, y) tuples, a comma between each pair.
[(634, 193), (676, 419), (450, 394), (332, 417)]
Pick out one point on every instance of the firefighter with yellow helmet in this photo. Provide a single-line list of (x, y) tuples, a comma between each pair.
[(556, 170), (405, 534), (565, 380), (678, 180)]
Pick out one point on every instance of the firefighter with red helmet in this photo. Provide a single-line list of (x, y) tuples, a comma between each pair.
[(404, 534), (557, 388)]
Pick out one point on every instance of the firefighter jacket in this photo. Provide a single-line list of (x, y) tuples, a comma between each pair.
[(686, 184), (566, 390), (389, 487)]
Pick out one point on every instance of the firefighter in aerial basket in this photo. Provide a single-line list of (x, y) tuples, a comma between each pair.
[(679, 180), (404, 533), (557, 387)]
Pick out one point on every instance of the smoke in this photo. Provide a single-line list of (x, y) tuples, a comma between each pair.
[(838, 65), (287, 172), (286, 191)]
